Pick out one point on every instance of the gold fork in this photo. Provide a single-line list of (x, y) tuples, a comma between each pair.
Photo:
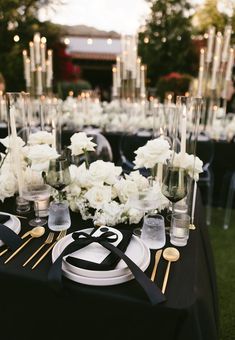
[(22, 237), (48, 240), (59, 237)]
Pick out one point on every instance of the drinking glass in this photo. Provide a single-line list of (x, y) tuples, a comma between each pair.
[(36, 193), (153, 231), (174, 185), (179, 231), (146, 201), (59, 217), (58, 175)]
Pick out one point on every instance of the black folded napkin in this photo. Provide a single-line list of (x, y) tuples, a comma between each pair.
[(9, 237), (81, 240), (4, 218), (110, 262)]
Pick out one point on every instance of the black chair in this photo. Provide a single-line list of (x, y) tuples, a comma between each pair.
[(205, 151)]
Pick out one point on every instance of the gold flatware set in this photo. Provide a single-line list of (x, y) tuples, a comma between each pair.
[(170, 254), (36, 233)]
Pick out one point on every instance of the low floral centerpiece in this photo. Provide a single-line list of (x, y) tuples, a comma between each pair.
[(98, 191)]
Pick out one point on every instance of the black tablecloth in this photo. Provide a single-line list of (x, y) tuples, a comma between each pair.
[(29, 309)]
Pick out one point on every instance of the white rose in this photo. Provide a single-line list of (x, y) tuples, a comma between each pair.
[(155, 151), (104, 172), (192, 164), (125, 189), (40, 137), (82, 176), (195, 167), (8, 185), (141, 181), (80, 143), (97, 196), (134, 215), (8, 142), (110, 214), (73, 189), (40, 155)]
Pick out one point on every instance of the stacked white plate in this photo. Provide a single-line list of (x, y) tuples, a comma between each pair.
[(13, 223), (137, 251)]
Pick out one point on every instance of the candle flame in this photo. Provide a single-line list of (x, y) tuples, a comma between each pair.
[(24, 53)]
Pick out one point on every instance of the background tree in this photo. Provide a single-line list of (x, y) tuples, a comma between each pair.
[(165, 43), (20, 17), (214, 13)]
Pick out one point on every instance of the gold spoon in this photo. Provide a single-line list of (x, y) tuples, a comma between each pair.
[(170, 254), (34, 233)]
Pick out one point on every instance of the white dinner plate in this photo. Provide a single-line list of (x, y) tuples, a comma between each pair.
[(105, 278), (13, 223), (135, 251)]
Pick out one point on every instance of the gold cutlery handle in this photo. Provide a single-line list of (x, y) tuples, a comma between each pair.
[(34, 254), (18, 250), (4, 251), (157, 258), (22, 237), (44, 255), (166, 277)]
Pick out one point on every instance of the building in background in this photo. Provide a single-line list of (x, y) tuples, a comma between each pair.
[(89, 55)]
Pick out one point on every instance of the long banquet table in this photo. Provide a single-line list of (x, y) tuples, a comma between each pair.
[(30, 309)]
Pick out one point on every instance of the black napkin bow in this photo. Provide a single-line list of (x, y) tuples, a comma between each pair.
[(81, 240), (8, 236)]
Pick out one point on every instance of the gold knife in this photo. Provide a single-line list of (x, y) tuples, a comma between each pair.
[(157, 258)]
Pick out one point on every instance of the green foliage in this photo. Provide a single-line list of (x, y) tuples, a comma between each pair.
[(174, 82), (209, 15), (77, 87), (170, 48), (20, 17)]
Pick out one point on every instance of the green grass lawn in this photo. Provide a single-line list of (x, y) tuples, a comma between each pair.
[(223, 244)]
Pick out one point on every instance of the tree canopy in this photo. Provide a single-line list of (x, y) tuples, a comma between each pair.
[(20, 17), (165, 41), (214, 13)]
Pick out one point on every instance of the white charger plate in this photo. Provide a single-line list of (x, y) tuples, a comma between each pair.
[(105, 278), (13, 223)]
